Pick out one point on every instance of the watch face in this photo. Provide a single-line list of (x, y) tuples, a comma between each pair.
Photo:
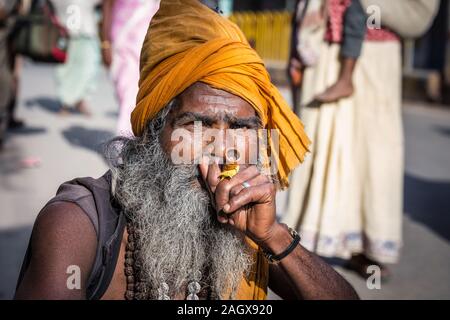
[(293, 232)]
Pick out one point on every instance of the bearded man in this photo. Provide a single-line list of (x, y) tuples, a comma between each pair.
[(154, 229)]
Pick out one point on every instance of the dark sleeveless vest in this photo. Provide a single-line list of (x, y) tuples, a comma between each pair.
[(93, 196)]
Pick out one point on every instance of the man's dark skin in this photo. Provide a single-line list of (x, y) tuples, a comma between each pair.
[(63, 235)]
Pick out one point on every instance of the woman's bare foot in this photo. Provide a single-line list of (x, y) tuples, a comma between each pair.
[(359, 263), (64, 111), (82, 108), (341, 89)]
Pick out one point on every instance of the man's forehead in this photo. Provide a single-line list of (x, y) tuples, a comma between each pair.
[(220, 100), (201, 98)]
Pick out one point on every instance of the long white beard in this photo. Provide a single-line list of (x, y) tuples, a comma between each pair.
[(180, 237)]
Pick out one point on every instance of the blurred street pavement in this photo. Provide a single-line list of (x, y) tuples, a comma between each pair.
[(52, 149)]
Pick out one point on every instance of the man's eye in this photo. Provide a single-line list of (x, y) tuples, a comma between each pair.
[(195, 122), (188, 124), (239, 127)]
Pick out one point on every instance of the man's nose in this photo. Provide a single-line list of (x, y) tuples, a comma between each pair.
[(225, 149), (218, 150)]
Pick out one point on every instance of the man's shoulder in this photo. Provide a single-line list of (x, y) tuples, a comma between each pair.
[(81, 196), (62, 226), (63, 236), (62, 218), (65, 233)]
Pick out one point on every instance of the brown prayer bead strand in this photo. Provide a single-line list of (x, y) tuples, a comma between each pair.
[(129, 264), (136, 288)]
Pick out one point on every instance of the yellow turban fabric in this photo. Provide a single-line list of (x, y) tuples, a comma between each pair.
[(187, 43)]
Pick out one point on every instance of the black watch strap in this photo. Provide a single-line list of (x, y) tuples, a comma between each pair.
[(275, 258)]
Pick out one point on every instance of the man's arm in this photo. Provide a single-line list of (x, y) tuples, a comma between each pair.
[(247, 202), (63, 236), (302, 274)]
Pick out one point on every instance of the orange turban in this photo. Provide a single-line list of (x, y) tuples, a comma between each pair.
[(187, 43)]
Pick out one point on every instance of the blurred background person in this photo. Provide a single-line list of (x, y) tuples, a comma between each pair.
[(6, 87), (303, 54), (346, 199), (124, 25), (295, 68), (9, 11), (354, 31), (76, 77), (430, 54)]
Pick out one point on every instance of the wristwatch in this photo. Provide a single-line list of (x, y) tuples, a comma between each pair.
[(276, 258)]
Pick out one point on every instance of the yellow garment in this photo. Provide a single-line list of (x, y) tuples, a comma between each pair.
[(187, 43), (254, 286)]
